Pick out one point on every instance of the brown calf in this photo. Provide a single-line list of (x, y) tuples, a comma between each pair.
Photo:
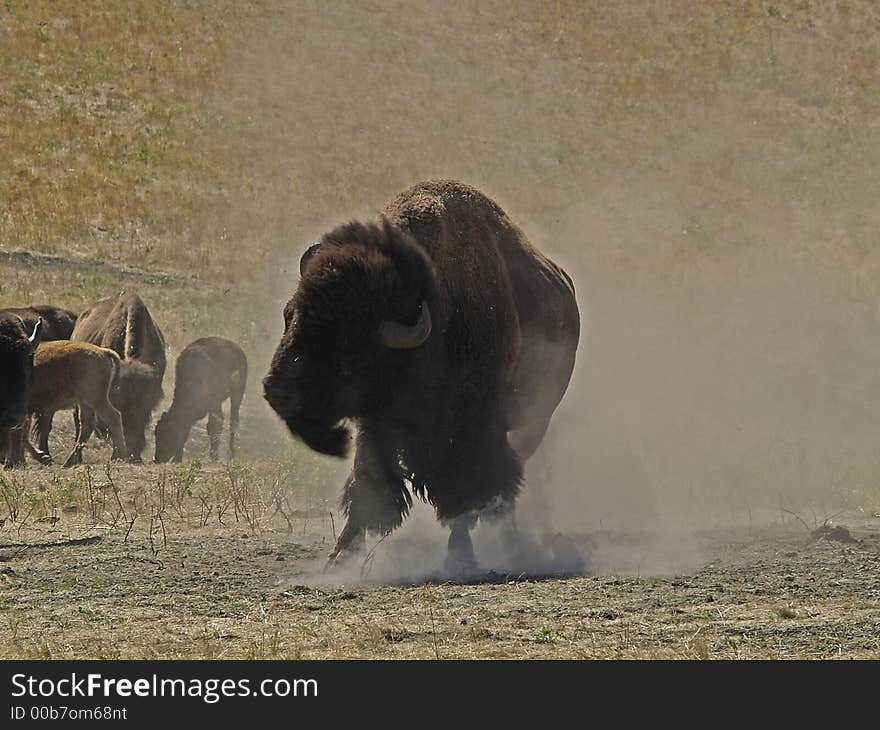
[(208, 371), (70, 374)]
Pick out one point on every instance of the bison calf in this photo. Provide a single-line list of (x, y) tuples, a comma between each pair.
[(208, 371), (70, 374)]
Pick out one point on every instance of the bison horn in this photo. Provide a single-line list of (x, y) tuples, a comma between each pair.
[(306, 257), (34, 339), (399, 336)]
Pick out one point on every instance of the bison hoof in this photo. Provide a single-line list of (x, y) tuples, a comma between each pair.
[(461, 565), (338, 560), (334, 561)]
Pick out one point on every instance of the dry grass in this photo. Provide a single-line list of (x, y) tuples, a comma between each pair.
[(139, 567), (102, 126), (159, 133)]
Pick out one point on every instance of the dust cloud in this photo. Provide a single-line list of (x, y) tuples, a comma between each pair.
[(705, 175)]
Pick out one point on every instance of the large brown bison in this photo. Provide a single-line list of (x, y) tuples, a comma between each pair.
[(123, 324), (58, 323), (447, 338), (208, 371), (67, 375), (17, 345)]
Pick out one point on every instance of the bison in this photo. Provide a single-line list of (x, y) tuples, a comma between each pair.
[(76, 374), (447, 338), (58, 323), (123, 324), (17, 345), (208, 371)]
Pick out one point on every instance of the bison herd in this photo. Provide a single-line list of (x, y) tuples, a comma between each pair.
[(107, 366), (439, 331)]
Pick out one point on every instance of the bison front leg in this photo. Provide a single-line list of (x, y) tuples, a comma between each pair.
[(234, 408), (375, 499), (353, 536), (134, 425), (215, 429), (480, 476), (16, 446), (460, 549), (11, 448), (37, 455), (41, 428), (84, 424), (108, 414)]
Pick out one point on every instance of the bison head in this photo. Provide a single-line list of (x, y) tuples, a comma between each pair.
[(171, 435), (17, 347), (136, 390), (360, 318)]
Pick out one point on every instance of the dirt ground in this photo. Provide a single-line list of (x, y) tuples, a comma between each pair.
[(78, 580)]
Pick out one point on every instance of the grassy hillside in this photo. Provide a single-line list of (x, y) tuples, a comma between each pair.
[(188, 133), (102, 124)]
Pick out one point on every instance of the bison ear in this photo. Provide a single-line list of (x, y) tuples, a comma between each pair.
[(306, 257), (37, 334)]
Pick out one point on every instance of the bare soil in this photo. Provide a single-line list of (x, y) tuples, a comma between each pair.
[(251, 587)]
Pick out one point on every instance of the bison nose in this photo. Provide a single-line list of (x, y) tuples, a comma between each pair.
[(277, 394)]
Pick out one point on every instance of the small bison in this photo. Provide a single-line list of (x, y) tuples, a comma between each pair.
[(208, 371), (76, 374), (17, 345), (447, 338), (124, 324)]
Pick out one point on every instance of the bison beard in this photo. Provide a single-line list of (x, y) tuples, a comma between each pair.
[(428, 332)]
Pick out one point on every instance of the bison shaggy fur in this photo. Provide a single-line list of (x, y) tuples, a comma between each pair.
[(447, 338)]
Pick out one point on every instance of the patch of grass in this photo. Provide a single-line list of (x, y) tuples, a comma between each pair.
[(787, 612), (101, 123)]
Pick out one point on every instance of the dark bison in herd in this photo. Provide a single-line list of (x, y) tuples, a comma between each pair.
[(438, 331), (447, 338), (107, 366), (17, 347)]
